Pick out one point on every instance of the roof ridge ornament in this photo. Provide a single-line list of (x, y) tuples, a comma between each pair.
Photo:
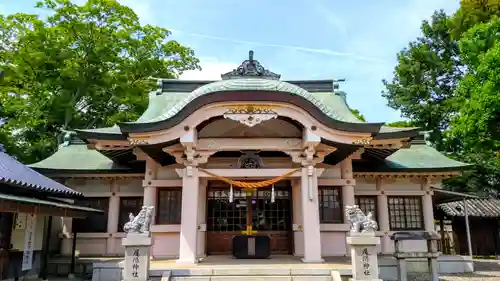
[(250, 68)]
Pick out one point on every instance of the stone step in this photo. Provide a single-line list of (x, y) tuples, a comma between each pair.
[(248, 271), (252, 278)]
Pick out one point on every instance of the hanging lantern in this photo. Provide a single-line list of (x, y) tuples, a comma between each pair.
[(231, 195), (273, 195)]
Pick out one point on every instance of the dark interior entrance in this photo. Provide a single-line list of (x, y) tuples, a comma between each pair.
[(225, 219)]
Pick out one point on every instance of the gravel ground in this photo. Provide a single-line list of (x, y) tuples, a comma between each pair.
[(486, 270)]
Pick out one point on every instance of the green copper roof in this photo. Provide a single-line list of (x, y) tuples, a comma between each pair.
[(421, 156), (77, 157), (243, 84)]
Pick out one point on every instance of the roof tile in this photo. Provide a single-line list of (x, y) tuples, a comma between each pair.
[(12, 172), (475, 208)]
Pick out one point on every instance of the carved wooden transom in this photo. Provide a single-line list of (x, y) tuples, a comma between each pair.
[(250, 160)]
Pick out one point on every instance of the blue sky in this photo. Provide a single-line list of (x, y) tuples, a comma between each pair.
[(299, 39)]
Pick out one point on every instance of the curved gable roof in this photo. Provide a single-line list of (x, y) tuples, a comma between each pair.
[(248, 89)]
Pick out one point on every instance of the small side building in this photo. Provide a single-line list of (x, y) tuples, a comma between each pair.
[(28, 203), (484, 218)]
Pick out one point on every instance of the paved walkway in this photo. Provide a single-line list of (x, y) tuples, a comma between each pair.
[(486, 270)]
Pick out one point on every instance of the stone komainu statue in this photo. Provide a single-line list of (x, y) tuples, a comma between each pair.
[(359, 222), (141, 222)]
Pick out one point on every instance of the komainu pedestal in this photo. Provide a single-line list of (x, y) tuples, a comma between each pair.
[(364, 256), (137, 253), (137, 245), (363, 244)]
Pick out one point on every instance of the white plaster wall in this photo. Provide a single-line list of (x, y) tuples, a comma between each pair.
[(363, 184), (89, 186), (89, 246), (166, 245), (331, 172), (168, 173), (133, 185), (333, 244)]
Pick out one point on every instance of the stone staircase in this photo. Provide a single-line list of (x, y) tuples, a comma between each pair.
[(248, 274)]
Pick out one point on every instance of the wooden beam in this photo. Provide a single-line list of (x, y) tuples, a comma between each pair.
[(336, 182), (248, 173), (38, 209), (162, 183), (231, 144)]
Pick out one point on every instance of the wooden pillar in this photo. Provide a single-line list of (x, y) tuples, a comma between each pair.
[(113, 218), (495, 235), (443, 240), (347, 190), (467, 228), (45, 249), (383, 217), (71, 274)]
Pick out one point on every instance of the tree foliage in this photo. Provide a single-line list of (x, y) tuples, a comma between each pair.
[(401, 124), (358, 115), (475, 130), (425, 77), (442, 77), (85, 66)]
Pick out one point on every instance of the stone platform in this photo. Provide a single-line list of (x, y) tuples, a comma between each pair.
[(222, 268), (218, 264)]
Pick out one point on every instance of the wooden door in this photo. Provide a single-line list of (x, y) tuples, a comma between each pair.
[(225, 219), (6, 221)]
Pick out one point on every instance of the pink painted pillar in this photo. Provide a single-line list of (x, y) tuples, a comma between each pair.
[(202, 217), (383, 217), (189, 216), (310, 215), (297, 219)]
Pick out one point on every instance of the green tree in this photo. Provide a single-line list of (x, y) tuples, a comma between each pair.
[(358, 115), (84, 66), (425, 77), (475, 132), (401, 124), (424, 86), (429, 69)]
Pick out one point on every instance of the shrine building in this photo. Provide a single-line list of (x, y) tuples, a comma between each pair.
[(248, 154)]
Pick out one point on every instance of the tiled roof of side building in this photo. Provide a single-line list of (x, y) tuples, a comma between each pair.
[(475, 208), (14, 173)]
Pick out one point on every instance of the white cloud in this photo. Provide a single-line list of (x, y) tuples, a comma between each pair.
[(212, 68)]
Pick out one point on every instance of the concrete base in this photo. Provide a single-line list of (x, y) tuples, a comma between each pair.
[(312, 261), (186, 261)]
